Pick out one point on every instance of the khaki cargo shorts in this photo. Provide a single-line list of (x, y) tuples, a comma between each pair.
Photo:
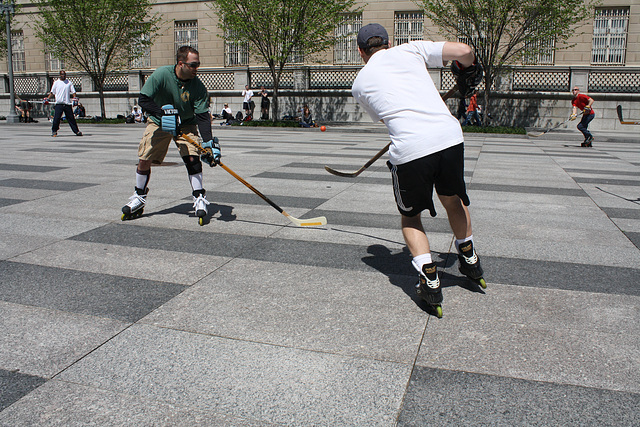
[(155, 143)]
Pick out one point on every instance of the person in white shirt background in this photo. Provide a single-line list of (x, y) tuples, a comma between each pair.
[(63, 91)]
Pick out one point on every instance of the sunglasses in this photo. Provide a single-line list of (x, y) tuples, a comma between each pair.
[(192, 64)]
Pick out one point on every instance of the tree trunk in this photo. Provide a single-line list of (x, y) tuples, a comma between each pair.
[(274, 99)]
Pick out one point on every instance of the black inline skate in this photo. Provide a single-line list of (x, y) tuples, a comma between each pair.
[(428, 287), (470, 264)]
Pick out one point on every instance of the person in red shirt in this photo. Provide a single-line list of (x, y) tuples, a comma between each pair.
[(583, 103), (472, 111)]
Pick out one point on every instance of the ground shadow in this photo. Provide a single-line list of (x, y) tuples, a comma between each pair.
[(226, 212), (397, 267)]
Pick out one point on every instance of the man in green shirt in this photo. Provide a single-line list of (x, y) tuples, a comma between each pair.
[(176, 102)]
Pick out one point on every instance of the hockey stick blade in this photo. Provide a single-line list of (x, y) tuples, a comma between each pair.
[(362, 169), (380, 153), (312, 222), (622, 121)]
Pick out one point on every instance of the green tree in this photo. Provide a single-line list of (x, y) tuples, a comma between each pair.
[(99, 36), (505, 32), (275, 30), (3, 31)]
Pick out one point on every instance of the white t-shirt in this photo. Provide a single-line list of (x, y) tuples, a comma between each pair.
[(395, 87), (63, 89), (247, 95)]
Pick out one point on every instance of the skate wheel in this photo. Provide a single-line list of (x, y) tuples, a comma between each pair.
[(201, 220), (123, 217), (439, 311), (482, 283)]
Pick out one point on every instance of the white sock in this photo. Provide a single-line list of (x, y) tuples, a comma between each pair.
[(142, 180), (461, 241), (421, 260), (196, 181)]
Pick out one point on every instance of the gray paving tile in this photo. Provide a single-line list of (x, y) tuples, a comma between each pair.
[(574, 192), (302, 307), (58, 150), (601, 172), (141, 263), (43, 184), (28, 168), (14, 385), (115, 297), (443, 397), (244, 379), (43, 342), (58, 403), (372, 220)]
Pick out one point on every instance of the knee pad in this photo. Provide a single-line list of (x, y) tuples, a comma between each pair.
[(193, 164)]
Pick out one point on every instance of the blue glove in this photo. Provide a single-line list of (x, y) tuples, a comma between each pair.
[(212, 158), (170, 120)]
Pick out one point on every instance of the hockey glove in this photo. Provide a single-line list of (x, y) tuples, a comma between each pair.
[(467, 78), (170, 121), (573, 117), (212, 155), (45, 101), (586, 111)]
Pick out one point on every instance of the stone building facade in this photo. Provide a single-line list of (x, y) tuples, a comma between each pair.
[(604, 61)]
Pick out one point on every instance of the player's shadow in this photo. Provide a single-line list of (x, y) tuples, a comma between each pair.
[(226, 212), (397, 267)]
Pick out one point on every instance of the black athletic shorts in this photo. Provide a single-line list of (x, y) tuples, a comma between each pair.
[(413, 182)]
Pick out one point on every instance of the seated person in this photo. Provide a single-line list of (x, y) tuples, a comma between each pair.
[(80, 111), (226, 113), (23, 110), (306, 121), (137, 114)]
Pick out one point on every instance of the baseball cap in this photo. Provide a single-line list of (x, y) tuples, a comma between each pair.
[(372, 30)]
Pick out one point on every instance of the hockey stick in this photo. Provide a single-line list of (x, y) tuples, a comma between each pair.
[(312, 222), (551, 128), (380, 153), (622, 121)]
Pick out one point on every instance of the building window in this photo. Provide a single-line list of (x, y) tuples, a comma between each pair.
[(144, 60), (609, 43), (235, 53), (345, 50), (296, 56), (408, 26), (17, 51), (52, 63), (186, 34), (540, 52)]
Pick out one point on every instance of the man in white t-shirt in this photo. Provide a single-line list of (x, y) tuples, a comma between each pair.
[(63, 91), (246, 102), (427, 147)]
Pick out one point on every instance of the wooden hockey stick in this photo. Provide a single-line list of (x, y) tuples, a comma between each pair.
[(622, 121), (535, 135), (312, 222), (380, 153)]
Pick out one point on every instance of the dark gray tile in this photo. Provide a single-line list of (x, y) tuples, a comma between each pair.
[(14, 385), (103, 295), (609, 181), (440, 397), (8, 202), (544, 274), (385, 221), (59, 150), (575, 192), (622, 213), (562, 275), (39, 184), (326, 177), (634, 237), (601, 172), (28, 168), (248, 198)]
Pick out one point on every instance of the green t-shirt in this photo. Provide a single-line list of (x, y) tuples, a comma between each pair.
[(190, 97)]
